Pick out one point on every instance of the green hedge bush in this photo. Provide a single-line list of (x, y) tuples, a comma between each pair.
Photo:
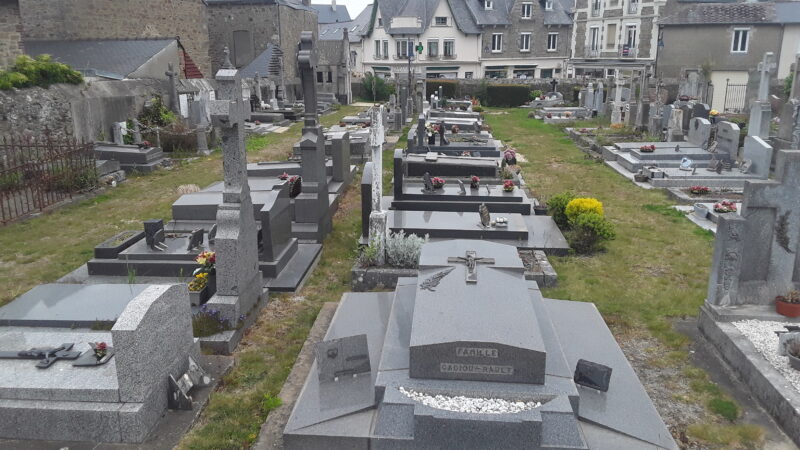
[(589, 232), (449, 88), (557, 206), (41, 71), (507, 95), (382, 89)]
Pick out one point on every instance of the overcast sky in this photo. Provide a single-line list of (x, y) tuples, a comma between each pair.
[(353, 6)]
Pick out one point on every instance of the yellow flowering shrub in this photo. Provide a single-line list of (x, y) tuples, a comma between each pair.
[(580, 206)]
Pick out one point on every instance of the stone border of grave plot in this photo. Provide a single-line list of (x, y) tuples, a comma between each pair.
[(764, 381), (225, 343), (104, 250), (679, 195), (364, 279), (544, 275), (271, 434)]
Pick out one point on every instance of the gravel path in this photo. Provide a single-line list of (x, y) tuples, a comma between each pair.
[(762, 334)]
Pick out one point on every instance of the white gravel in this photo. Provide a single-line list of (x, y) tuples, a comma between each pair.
[(762, 334), (470, 404)]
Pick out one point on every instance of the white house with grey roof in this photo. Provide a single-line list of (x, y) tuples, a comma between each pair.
[(468, 38)]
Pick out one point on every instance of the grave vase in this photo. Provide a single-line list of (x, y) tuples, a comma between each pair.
[(700, 210), (198, 298), (787, 309)]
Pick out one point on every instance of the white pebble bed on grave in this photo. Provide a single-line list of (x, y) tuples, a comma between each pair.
[(470, 404), (762, 334)]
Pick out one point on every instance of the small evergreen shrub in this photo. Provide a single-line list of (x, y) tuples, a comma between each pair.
[(403, 251), (535, 94), (579, 206), (589, 231), (382, 89), (448, 88), (156, 114), (477, 108), (557, 206)]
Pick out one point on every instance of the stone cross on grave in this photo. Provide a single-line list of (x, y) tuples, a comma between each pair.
[(616, 112), (553, 84), (174, 103), (757, 254), (764, 68), (237, 240), (471, 260), (761, 109)]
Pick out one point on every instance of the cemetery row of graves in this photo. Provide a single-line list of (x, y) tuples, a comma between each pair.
[(479, 282)]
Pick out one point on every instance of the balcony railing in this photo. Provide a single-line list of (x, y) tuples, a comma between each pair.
[(433, 57), (595, 11), (633, 7), (628, 53), (403, 57), (381, 56), (592, 54), (451, 56)]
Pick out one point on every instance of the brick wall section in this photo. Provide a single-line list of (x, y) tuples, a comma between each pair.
[(115, 19), (10, 32)]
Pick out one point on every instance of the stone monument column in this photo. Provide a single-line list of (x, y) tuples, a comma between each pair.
[(174, 103), (239, 281), (760, 109), (377, 217), (312, 206)]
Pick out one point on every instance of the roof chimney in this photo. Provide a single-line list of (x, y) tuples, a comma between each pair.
[(333, 5)]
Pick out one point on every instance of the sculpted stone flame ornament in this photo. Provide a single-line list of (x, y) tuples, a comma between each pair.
[(429, 284)]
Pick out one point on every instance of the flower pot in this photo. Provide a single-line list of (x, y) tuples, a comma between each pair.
[(540, 210), (794, 362), (787, 309), (197, 298), (700, 210), (432, 140), (640, 178)]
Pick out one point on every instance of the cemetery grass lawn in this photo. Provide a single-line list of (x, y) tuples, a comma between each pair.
[(45, 248), (655, 270)]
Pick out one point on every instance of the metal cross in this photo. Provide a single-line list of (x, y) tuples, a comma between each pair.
[(472, 261), (46, 356)]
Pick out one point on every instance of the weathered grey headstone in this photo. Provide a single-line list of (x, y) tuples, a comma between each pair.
[(699, 132), (463, 190), (701, 110), (174, 101), (422, 133), (756, 253), (378, 227), (599, 103), (118, 129), (759, 153), (483, 212), (728, 140)]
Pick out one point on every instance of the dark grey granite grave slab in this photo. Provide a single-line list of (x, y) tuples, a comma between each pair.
[(274, 169), (292, 275), (69, 305), (203, 205), (455, 225), (451, 166), (390, 419), (450, 192)]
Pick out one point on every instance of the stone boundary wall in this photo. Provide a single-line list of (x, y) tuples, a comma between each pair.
[(85, 111), (10, 32)]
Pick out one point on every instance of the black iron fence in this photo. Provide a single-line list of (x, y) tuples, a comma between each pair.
[(39, 172), (735, 97)]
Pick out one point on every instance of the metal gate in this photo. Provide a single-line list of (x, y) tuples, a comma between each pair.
[(735, 97), (37, 173)]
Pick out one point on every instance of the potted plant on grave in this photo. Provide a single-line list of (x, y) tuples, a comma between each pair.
[(725, 206), (438, 183), (474, 182), (283, 176), (144, 144), (508, 186), (454, 129), (647, 148), (712, 116), (549, 115), (793, 352), (203, 284), (699, 190), (788, 305), (295, 186)]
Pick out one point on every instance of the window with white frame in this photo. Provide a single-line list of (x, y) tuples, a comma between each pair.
[(449, 48), (548, 5), (377, 49), (527, 10), (741, 40), (468, 75), (404, 48), (433, 47), (594, 38), (386, 48), (380, 22), (488, 4), (440, 21), (497, 42), (524, 42), (552, 42)]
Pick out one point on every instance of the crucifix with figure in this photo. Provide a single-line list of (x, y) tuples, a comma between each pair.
[(471, 260)]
